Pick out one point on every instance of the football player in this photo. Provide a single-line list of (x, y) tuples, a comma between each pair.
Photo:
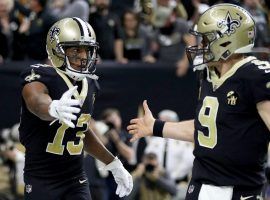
[(57, 105), (232, 123)]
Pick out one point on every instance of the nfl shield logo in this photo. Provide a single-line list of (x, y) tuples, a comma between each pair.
[(191, 189), (28, 188)]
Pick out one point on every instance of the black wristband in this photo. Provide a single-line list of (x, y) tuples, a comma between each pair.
[(158, 128)]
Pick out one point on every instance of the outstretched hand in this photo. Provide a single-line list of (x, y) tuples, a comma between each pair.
[(141, 127), (66, 108)]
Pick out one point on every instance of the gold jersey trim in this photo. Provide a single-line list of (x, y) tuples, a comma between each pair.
[(82, 96), (217, 82)]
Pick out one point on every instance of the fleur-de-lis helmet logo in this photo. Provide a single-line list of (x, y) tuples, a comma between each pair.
[(54, 32), (231, 24)]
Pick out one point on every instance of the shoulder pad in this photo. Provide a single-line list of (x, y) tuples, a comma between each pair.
[(37, 72)]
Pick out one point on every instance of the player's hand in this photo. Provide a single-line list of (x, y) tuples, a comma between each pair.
[(141, 127), (64, 108), (121, 176), (182, 67)]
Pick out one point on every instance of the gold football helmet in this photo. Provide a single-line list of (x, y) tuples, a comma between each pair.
[(224, 29), (72, 32)]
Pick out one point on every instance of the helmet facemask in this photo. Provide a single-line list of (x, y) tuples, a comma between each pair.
[(201, 54), (87, 66)]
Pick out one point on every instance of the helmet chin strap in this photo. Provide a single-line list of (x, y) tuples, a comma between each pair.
[(199, 65), (71, 72), (76, 75)]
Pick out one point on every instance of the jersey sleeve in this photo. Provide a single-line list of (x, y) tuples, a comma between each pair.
[(259, 81), (39, 73)]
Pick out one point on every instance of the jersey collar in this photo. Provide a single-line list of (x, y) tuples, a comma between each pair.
[(79, 96), (217, 82)]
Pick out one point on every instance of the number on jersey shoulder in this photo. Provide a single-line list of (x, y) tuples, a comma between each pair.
[(263, 65), (39, 65)]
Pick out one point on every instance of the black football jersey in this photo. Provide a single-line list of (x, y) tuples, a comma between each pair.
[(231, 140), (54, 149)]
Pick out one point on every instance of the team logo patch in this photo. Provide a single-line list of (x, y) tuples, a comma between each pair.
[(28, 189), (231, 24), (191, 188), (232, 98), (54, 32), (33, 76)]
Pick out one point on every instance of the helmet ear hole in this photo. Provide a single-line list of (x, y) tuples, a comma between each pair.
[(226, 55), (225, 44)]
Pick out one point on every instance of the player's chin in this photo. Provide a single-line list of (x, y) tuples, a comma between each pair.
[(76, 66)]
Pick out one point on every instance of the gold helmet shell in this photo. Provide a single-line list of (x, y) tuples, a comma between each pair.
[(225, 29)]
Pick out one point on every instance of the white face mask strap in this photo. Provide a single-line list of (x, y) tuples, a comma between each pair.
[(68, 63), (208, 75), (70, 72)]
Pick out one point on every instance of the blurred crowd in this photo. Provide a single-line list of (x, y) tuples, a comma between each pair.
[(127, 30)]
